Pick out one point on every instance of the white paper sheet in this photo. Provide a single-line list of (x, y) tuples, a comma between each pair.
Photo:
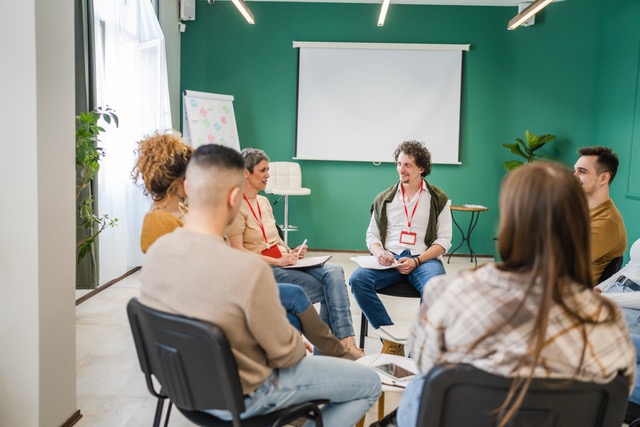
[(371, 263)]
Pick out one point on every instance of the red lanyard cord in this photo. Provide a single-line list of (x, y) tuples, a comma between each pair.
[(259, 221), (404, 202)]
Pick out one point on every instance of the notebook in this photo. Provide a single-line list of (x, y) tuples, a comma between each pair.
[(313, 261)]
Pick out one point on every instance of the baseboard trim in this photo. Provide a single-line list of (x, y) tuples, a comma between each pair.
[(101, 288), (73, 420)]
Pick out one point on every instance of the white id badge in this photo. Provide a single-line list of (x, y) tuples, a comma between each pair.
[(407, 237)]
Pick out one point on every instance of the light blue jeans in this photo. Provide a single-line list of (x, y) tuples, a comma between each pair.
[(635, 395), (350, 388), (631, 315), (294, 301), (365, 282), (410, 403), (327, 286)]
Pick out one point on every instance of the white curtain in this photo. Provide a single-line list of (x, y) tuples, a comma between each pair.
[(131, 78)]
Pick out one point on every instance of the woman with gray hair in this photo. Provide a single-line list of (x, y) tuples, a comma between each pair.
[(254, 230)]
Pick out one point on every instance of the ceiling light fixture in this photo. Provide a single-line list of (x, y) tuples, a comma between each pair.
[(244, 10), (527, 13), (383, 12)]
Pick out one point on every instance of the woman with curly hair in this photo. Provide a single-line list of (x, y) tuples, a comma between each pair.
[(162, 163)]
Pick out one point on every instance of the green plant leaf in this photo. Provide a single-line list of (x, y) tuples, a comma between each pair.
[(544, 139), (511, 165), (531, 137), (515, 149), (88, 155)]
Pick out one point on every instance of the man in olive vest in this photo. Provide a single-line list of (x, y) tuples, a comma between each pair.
[(410, 228)]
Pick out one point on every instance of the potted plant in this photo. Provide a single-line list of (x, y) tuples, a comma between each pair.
[(88, 155), (527, 149)]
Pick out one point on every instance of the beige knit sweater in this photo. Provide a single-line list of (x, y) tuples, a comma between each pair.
[(200, 276)]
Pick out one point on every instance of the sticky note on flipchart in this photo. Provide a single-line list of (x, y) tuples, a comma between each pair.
[(223, 141), (206, 122), (209, 106), (194, 103), (203, 112), (225, 108), (217, 126), (223, 120), (211, 138)]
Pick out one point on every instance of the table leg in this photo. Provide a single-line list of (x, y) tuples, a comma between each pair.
[(461, 242), (472, 225), (473, 221)]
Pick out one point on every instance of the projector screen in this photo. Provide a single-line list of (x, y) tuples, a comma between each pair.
[(359, 101)]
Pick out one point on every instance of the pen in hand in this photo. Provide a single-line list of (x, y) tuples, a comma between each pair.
[(389, 256), (301, 247)]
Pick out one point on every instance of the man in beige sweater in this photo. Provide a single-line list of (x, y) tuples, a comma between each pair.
[(193, 272), (596, 169)]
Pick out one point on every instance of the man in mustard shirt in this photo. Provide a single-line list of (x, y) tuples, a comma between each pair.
[(596, 168)]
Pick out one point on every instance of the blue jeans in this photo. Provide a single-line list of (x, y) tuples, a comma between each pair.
[(350, 388), (631, 315), (635, 395), (364, 284), (327, 286), (410, 403), (294, 301)]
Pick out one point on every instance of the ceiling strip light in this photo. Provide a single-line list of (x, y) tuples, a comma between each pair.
[(383, 12), (244, 10), (527, 13)]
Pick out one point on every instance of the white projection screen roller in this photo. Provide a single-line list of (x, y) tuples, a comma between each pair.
[(358, 101)]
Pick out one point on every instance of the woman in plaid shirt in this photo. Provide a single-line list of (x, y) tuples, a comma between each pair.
[(534, 315)]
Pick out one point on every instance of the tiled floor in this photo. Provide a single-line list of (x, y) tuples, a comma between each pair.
[(111, 388)]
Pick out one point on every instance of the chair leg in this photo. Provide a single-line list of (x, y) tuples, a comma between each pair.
[(286, 220), (364, 329), (381, 406), (166, 418), (158, 416)]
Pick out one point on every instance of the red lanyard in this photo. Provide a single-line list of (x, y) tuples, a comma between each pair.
[(259, 221), (406, 212)]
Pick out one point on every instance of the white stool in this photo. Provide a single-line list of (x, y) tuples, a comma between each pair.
[(286, 180)]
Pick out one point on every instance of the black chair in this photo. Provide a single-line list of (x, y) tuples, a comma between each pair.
[(192, 361), (612, 268), (462, 395), (632, 416), (400, 290)]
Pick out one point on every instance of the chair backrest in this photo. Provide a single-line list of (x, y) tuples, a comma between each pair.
[(284, 176), (462, 395), (612, 268), (190, 358)]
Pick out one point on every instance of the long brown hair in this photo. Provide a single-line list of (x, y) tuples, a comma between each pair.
[(544, 234)]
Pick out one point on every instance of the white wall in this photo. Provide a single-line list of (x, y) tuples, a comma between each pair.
[(37, 221)]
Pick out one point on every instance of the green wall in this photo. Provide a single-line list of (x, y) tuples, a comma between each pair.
[(617, 109), (546, 78)]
